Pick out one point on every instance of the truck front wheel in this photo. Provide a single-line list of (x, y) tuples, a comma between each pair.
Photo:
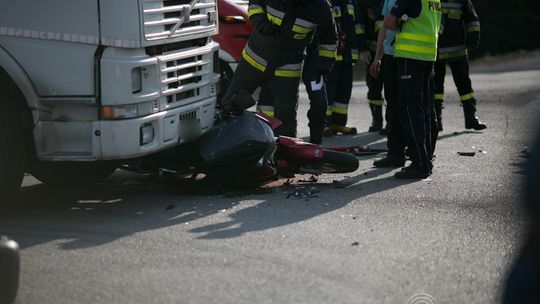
[(71, 173)]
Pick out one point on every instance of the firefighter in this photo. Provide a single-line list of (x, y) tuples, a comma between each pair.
[(418, 23), (272, 58), (460, 33), (371, 9), (351, 31)]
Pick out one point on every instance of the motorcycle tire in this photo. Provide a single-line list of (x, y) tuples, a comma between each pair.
[(338, 162)]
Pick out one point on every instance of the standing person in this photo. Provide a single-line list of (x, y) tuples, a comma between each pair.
[(272, 58), (385, 63), (371, 10), (351, 31), (418, 23), (461, 32)]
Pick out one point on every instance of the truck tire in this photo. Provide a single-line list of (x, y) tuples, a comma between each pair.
[(12, 147), (71, 173)]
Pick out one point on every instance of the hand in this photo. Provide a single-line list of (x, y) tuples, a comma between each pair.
[(365, 57), (375, 68)]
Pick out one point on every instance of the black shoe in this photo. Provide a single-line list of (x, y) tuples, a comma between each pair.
[(411, 172), (471, 121), (389, 163), (384, 131)]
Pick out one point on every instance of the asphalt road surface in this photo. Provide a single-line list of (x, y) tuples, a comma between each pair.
[(367, 238)]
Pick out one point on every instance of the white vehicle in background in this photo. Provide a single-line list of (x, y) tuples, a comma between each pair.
[(86, 85)]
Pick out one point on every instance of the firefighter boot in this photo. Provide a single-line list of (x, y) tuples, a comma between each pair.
[(343, 130), (377, 118), (438, 112), (471, 121), (316, 135)]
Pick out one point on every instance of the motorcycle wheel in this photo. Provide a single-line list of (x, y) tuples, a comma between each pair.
[(338, 162)]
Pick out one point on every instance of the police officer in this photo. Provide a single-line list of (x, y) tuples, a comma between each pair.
[(418, 23), (272, 58), (385, 63), (460, 32), (351, 30)]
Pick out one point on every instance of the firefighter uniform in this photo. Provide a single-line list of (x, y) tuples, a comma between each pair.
[(351, 31), (371, 10), (273, 56), (460, 31), (415, 52)]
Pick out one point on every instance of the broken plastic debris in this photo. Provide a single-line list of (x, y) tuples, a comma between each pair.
[(355, 244), (139, 212), (303, 192), (466, 153)]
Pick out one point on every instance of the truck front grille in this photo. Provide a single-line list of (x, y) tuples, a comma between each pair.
[(184, 74), (165, 19)]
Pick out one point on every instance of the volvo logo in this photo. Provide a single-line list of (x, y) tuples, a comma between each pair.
[(184, 16)]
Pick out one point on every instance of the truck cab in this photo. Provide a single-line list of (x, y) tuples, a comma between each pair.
[(88, 84)]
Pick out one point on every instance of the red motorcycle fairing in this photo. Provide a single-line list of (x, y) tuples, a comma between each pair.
[(274, 123), (297, 151)]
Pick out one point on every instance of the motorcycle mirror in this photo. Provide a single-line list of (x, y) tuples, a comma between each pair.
[(242, 100)]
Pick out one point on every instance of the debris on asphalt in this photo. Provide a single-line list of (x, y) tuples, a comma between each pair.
[(482, 151), (355, 244), (302, 192), (466, 153), (170, 207), (312, 179), (139, 212)]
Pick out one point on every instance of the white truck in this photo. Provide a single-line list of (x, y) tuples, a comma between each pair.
[(86, 85)]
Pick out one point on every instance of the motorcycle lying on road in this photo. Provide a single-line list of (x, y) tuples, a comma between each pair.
[(242, 149)]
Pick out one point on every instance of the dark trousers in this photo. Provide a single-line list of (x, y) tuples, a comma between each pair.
[(339, 88), (396, 136), (460, 73), (318, 103), (415, 95), (375, 87), (279, 95)]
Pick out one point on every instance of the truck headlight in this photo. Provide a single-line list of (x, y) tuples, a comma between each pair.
[(120, 112)]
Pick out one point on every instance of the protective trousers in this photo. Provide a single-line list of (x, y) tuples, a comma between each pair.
[(339, 88), (415, 96), (397, 139), (317, 99), (375, 87), (278, 97), (460, 73)]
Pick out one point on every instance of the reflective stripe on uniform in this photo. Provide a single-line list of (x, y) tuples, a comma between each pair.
[(336, 12), (327, 50), (350, 10), (274, 15), (376, 102), (473, 26), (359, 29), (303, 26), (339, 57), (450, 5), (439, 97), (414, 48), (266, 110), (354, 54), (466, 96), (253, 59), (452, 52), (255, 9), (378, 25), (289, 70), (416, 37), (340, 108)]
